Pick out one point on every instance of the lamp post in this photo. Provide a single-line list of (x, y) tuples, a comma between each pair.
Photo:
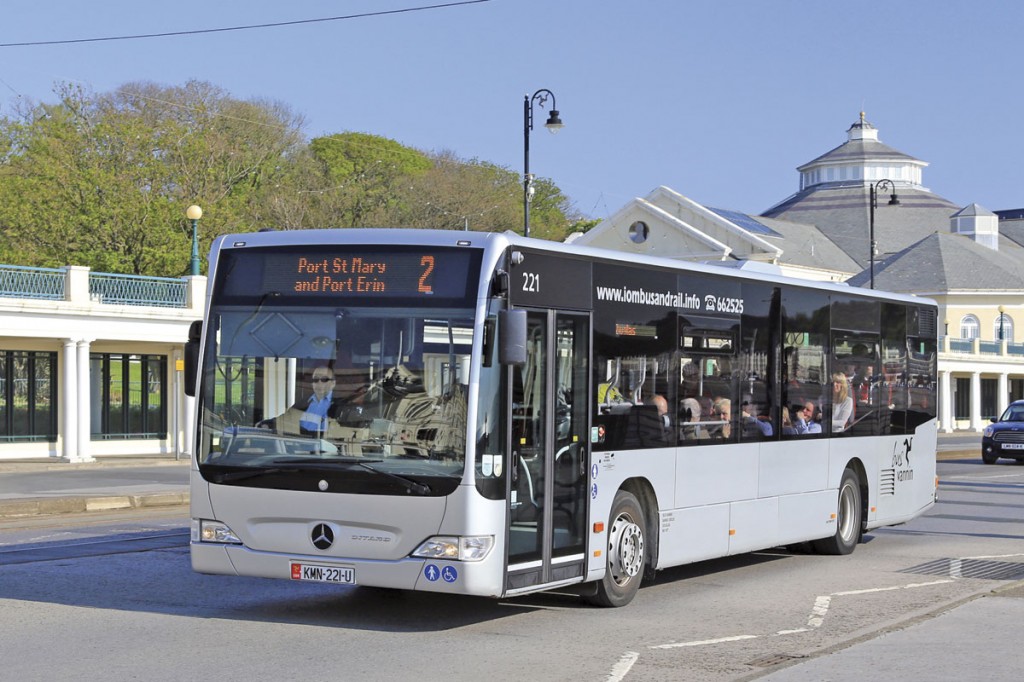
[(554, 124), (194, 213), (873, 202), (1001, 311)]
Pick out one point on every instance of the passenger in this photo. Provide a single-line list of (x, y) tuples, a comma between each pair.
[(811, 419), (691, 413), (756, 424), (723, 413), (842, 403), (662, 405), (787, 424)]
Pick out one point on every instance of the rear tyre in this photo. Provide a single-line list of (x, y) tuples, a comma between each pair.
[(626, 552), (848, 520)]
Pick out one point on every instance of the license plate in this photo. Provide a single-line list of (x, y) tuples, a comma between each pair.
[(318, 573), (1013, 446)]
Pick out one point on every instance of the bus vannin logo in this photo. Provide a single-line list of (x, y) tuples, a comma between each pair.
[(323, 536)]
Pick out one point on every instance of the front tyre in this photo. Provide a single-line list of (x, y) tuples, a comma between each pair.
[(626, 552), (848, 521)]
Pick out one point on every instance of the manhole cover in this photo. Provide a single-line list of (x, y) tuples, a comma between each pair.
[(773, 659)]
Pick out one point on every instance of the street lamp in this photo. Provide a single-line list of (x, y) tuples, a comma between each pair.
[(893, 201), (1001, 316), (554, 124), (194, 213)]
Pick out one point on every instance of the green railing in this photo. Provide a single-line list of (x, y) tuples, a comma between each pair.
[(50, 284), (21, 282), (136, 290)]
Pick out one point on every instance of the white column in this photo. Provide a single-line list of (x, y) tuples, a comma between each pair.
[(945, 403), (976, 401), (67, 392), (1004, 390), (190, 426), (82, 396)]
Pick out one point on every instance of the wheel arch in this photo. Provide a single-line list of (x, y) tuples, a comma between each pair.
[(857, 466), (644, 492)]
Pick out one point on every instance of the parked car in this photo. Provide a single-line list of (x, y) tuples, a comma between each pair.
[(1004, 437)]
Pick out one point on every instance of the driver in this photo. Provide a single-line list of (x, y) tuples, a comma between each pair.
[(318, 414)]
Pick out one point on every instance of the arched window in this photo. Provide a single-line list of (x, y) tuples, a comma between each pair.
[(969, 327), (1003, 329)]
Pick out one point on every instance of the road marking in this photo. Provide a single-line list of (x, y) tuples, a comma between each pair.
[(702, 642), (622, 668)]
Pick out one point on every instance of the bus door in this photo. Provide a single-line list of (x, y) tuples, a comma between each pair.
[(550, 452)]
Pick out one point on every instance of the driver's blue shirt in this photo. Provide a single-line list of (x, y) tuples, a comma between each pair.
[(315, 416)]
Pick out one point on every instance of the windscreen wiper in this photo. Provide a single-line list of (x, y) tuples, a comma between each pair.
[(254, 473), (410, 484)]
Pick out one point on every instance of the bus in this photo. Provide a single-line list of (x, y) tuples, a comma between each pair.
[(487, 414)]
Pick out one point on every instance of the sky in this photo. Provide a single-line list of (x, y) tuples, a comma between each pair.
[(720, 100)]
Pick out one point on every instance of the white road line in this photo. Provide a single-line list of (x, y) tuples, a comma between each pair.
[(993, 556), (819, 612), (702, 642), (622, 668)]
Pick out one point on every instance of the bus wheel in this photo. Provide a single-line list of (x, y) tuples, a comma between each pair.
[(848, 522), (626, 551)]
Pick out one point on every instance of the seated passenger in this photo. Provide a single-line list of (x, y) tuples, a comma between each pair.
[(722, 412), (804, 421), (754, 424), (691, 430), (788, 429), (842, 403)]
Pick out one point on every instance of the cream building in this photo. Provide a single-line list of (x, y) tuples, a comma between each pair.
[(91, 363)]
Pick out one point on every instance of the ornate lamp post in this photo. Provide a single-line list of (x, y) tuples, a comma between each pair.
[(893, 201), (194, 213), (554, 124)]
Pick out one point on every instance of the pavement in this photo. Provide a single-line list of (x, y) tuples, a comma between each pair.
[(41, 487)]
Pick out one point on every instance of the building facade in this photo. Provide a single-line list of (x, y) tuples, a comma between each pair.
[(91, 364)]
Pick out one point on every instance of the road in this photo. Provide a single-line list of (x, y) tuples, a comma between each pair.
[(86, 601)]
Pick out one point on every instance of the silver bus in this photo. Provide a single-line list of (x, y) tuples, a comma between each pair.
[(485, 414)]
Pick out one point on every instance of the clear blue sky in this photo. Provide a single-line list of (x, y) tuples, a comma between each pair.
[(719, 100)]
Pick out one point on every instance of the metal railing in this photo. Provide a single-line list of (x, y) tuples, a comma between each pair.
[(163, 292), (22, 282), (52, 284)]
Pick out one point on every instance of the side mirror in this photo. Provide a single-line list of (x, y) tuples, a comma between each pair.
[(512, 337), (195, 333)]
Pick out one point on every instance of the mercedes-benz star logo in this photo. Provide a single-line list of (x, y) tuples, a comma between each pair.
[(323, 536)]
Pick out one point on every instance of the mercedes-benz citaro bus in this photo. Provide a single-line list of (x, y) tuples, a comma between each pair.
[(486, 414)]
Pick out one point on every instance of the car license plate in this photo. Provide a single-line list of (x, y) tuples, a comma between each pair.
[(318, 573), (1013, 446)]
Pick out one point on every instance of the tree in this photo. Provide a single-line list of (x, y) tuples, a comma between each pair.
[(103, 180)]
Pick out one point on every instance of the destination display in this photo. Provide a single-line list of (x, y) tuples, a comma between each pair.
[(354, 273)]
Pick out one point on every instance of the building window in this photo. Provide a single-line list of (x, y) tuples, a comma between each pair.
[(28, 396), (129, 396), (969, 327), (989, 398), (962, 399), (1003, 328), (638, 232)]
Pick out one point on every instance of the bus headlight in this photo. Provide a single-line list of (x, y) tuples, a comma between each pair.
[(213, 531), (466, 548)]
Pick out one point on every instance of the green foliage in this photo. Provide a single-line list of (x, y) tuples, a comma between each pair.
[(104, 180)]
